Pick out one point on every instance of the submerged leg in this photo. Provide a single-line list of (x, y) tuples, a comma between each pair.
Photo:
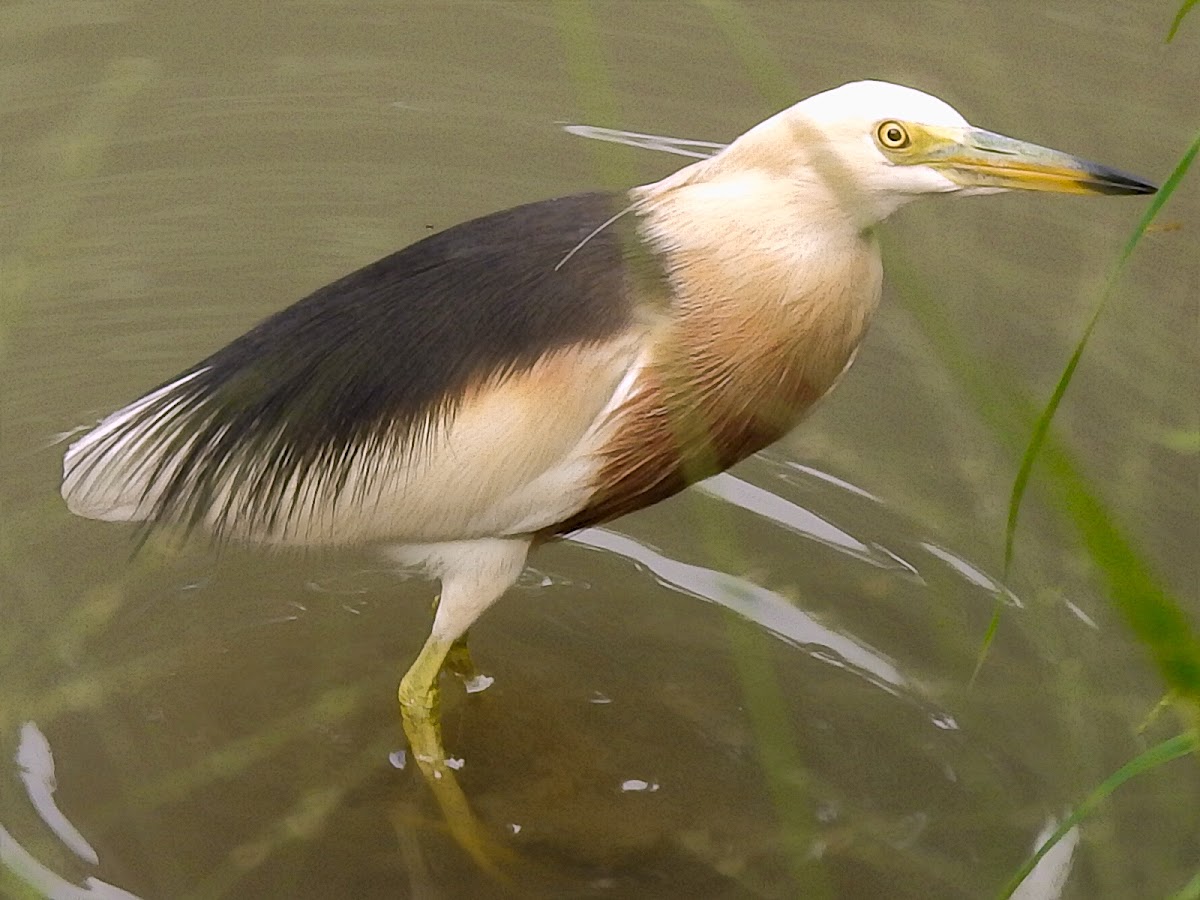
[(474, 574), (458, 662)]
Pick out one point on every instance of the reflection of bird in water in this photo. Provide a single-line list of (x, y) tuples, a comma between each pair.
[(551, 366)]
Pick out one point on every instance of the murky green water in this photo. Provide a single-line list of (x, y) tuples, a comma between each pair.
[(756, 689)]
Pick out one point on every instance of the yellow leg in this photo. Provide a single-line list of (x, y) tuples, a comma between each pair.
[(458, 658), (420, 702), (421, 718), (459, 662), (474, 574)]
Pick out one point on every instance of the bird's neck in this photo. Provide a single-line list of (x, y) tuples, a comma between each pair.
[(773, 289), (765, 305)]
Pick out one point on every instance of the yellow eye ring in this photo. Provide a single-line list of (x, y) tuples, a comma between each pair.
[(892, 135)]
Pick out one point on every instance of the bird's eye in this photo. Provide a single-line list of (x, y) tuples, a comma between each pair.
[(892, 135)]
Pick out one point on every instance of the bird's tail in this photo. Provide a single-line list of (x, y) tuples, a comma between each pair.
[(118, 471)]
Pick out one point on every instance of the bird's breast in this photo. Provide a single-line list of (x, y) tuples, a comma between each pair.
[(751, 344)]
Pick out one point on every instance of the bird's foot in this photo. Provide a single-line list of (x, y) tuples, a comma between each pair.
[(420, 717), (458, 662)]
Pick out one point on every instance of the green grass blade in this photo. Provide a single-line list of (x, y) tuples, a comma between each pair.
[(1158, 755), (999, 403), (1001, 406), (1042, 427), (784, 770), (760, 64), (1190, 891), (776, 743), (590, 77), (1182, 441), (1183, 11), (1157, 619), (74, 155), (986, 644)]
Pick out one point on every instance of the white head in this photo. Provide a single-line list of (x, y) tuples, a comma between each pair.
[(877, 145)]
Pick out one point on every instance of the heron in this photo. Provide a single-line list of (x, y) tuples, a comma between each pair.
[(553, 366)]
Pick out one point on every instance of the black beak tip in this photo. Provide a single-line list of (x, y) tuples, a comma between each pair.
[(1137, 186), (1121, 183)]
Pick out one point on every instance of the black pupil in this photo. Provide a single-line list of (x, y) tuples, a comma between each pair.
[(894, 135)]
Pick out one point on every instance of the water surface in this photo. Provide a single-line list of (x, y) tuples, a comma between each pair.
[(755, 689)]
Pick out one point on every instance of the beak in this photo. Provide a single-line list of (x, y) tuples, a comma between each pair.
[(973, 157)]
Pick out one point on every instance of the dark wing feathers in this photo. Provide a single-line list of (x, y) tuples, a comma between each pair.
[(379, 355)]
